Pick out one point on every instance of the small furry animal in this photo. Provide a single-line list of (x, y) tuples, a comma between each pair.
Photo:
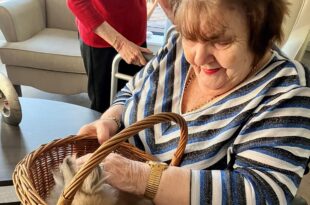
[(94, 190)]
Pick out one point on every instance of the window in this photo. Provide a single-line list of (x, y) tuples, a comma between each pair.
[(157, 25)]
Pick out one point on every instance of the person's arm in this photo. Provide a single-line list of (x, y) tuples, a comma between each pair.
[(84, 11), (106, 126), (174, 187), (92, 20), (269, 156), (129, 51), (132, 176), (143, 75)]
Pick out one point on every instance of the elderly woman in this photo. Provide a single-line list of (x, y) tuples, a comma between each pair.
[(245, 103)]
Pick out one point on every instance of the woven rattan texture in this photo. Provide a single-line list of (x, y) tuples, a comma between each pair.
[(33, 178)]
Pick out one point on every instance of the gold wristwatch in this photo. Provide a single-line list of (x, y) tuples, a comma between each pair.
[(153, 181)]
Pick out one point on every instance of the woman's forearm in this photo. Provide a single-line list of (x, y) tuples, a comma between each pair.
[(174, 187), (129, 51), (110, 35), (116, 112), (85, 13)]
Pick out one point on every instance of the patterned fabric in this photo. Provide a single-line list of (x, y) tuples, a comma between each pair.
[(249, 146)]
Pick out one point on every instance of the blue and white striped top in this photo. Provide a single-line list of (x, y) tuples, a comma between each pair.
[(249, 146)]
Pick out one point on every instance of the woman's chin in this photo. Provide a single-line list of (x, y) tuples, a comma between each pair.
[(215, 88), (215, 84)]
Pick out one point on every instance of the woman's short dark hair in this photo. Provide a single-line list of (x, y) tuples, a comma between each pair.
[(264, 20)]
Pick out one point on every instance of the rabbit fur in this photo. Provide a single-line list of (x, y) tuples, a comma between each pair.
[(94, 190)]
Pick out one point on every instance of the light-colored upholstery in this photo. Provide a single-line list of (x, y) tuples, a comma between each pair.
[(42, 48), (296, 29)]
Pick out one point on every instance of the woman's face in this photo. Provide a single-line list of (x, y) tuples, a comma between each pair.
[(225, 60)]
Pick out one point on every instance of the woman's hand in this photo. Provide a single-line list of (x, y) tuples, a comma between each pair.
[(130, 52), (102, 128), (106, 126), (122, 173), (125, 174), (132, 176)]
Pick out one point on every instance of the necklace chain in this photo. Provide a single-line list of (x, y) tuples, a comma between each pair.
[(190, 79)]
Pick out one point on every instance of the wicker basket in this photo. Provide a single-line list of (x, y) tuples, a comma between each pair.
[(32, 176)]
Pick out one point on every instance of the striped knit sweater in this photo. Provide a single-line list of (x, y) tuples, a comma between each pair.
[(249, 146)]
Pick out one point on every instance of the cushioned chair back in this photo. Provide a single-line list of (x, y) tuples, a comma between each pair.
[(17, 27), (58, 15), (295, 9)]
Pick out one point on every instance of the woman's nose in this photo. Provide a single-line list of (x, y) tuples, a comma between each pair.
[(203, 54)]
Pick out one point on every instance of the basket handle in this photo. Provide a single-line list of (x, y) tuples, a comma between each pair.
[(110, 145)]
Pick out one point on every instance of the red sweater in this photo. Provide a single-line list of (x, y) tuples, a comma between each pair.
[(128, 17)]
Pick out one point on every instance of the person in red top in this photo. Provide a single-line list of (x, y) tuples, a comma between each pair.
[(108, 27)]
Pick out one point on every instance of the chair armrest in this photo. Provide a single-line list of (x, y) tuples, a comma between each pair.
[(296, 44), (20, 19)]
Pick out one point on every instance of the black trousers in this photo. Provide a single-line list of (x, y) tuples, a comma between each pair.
[(98, 65)]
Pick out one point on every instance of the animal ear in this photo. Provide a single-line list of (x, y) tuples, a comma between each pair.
[(68, 168), (93, 180), (103, 177), (58, 177), (100, 185)]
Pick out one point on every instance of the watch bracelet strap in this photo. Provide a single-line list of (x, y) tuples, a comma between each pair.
[(152, 186), (154, 180)]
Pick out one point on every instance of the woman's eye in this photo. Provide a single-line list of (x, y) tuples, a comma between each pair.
[(222, 43)]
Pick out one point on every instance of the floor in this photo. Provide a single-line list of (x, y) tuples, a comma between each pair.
[(7, 193)]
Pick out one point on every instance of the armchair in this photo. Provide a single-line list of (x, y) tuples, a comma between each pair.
[(297, 29), (42, 48)]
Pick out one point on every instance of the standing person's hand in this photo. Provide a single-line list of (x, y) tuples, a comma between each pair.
[(129, 51), (132, 53)]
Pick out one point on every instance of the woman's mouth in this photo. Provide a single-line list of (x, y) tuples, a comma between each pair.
[(210, 71)]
